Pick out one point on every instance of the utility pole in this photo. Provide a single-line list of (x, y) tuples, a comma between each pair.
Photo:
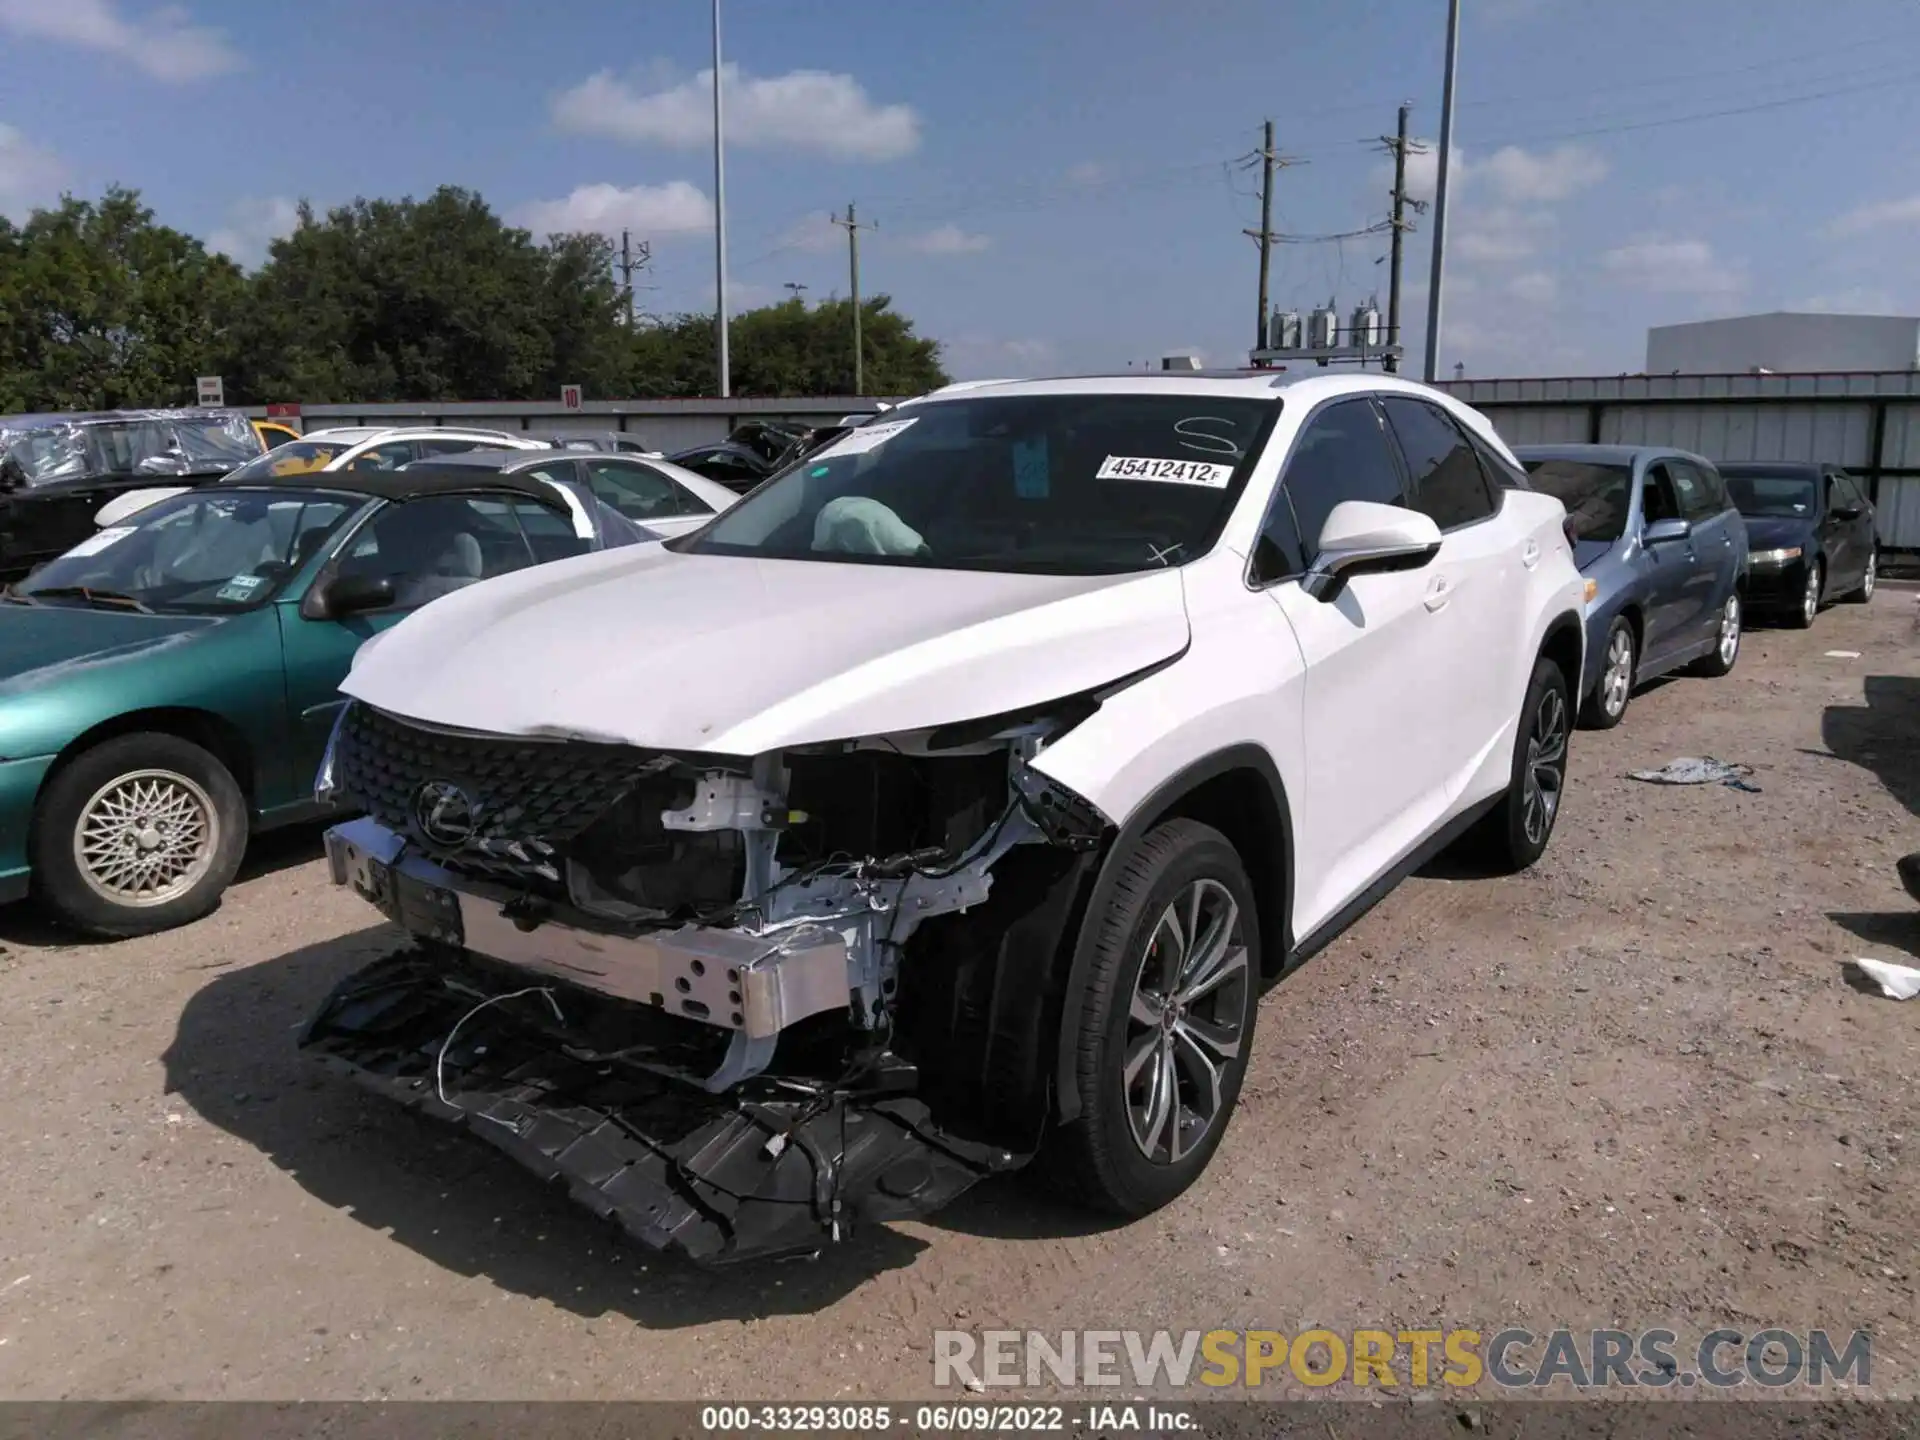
[(1440, 191), (719, 220), (853, 228), (632, 257), (1400, 147), (1270, 161)]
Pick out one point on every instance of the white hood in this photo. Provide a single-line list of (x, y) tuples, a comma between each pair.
[(649, 647)]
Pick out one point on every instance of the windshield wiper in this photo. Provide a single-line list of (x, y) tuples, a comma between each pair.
[(90, 595)]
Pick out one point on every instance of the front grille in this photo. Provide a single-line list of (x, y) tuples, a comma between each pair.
[(528, 798)]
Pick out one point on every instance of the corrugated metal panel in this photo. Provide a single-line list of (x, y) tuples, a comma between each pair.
[(1897, 514), (1786, 431), (1538, 424), (1902, 446), (1682, 387)]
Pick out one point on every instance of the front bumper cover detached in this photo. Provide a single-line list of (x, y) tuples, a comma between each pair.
[(780, 1168)]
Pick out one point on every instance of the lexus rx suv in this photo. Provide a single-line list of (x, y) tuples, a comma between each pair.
[(1010, 745)]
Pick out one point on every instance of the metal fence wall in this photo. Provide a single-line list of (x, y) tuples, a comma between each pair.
[(1869, 423)]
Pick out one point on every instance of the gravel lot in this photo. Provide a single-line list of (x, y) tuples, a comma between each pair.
[(1632, 1087)]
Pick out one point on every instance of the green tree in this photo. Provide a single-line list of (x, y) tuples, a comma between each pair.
[(788, 349), (100, 308), (434, 299)]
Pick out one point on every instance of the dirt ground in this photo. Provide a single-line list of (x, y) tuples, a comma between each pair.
[(1633, 1087)]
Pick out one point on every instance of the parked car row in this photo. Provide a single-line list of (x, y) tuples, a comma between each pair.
[(1677, 549)]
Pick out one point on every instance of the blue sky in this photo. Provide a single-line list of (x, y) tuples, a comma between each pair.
[(1054, 181)]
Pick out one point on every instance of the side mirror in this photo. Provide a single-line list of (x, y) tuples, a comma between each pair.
[(1362, 538), (1846, 512), (344, 595), (1662, 531)]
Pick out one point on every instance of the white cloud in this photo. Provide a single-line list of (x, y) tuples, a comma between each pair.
[(164, 43), (1671, 267), (1849, 300), (252, 225), (811, 110), (1534, 287), (1499, 236), (986, 357), (1520, 176), (676, 207), (949, 240), (29, 175), (1087, 173), (1882, 215)]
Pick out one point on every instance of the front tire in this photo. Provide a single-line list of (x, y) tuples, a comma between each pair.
[(1809, 606), (1606, 707), (1165, 1025), (139, 834), (1726, 641), (1516, 831)]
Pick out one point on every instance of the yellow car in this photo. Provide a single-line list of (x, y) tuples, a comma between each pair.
[(272, 433)]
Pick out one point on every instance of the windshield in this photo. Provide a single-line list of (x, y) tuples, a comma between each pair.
[(1053, 484), (206, 550), (1597, 497), (296, 457), (1771, 496)]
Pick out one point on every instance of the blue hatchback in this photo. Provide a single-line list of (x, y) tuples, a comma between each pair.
[(1665, 556)]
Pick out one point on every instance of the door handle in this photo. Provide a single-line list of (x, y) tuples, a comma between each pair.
[(1439, 593), (1530, 556)]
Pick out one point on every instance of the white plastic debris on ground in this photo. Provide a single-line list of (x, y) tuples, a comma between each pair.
[(1896, 982), (1698, 770)]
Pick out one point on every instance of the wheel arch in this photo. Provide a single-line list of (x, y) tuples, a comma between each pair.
[(1237, 791), (213, 733), (1565, 645)]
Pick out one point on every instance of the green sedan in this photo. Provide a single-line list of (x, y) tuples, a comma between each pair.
[(167, 686)]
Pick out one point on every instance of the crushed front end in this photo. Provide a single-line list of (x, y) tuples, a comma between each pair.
[(737, 1005)]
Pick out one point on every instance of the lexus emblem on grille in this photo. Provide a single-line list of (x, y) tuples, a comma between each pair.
[(444, 813)]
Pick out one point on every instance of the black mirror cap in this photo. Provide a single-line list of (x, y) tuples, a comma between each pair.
[(343, 595)]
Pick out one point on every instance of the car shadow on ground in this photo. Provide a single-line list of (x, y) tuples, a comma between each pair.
[(444, 1195), (25, 923), (1882, 736)]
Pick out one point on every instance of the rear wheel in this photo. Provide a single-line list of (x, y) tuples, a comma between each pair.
[(1726, 644), (1515, 833), (1165, 1024), (1865, 592), (141, 833), (1607, 705)]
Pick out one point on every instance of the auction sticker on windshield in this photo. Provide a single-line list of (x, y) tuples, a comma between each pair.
[(1167, 472), (101, 539), (870, 436)]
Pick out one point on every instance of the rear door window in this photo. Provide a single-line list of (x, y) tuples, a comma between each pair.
[(1448, 483)]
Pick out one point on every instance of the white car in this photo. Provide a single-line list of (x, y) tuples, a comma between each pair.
[(948, 801), (657, 495), (346, 447)]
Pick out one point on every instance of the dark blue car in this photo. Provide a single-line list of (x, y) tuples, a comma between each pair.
[(1664, 551), (1811, 527)]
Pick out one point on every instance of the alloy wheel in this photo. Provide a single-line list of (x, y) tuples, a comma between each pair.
[(1866, 588), (1616, 681), (1730, 631), (1546, 767), (1184, 1022), (146, 837), (1810, 601)]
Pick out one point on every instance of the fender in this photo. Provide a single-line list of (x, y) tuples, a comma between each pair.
[(1164, 797)]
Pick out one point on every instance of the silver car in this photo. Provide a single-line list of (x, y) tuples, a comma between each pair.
[(1665, 556)]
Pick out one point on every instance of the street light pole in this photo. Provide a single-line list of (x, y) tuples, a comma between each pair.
[(720, 216), (1440, 192)]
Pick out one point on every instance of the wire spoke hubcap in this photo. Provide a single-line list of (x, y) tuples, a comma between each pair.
[(1617, 683), (1546, 767), (146, 838), (1730, 630), (1185, 1021)]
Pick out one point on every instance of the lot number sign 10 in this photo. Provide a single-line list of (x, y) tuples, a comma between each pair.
[(569, 397)]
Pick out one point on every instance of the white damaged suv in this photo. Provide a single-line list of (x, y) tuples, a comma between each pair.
[(947, 802)]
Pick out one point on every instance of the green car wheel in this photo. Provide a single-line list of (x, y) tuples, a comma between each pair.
[(140, 833)]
